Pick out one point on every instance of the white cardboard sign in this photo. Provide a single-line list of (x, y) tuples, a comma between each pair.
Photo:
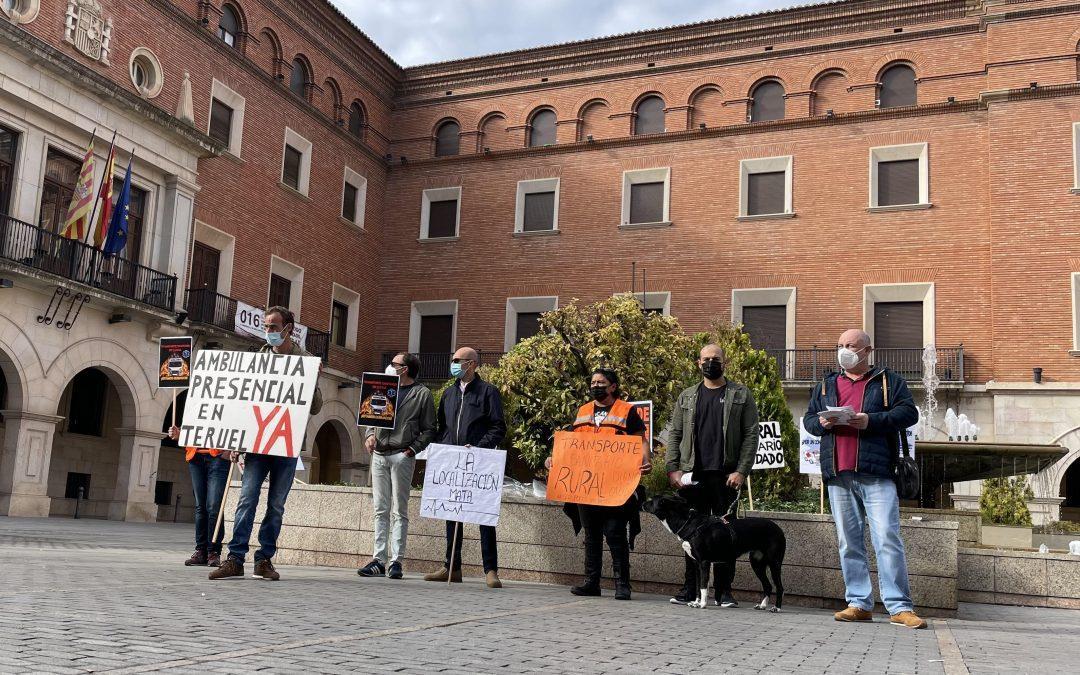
[(249, 319), (809, 451), (770, 449), (256, 402), (463, 484)]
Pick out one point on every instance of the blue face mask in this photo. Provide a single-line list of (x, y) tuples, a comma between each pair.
[(274, 339), (456, 370)]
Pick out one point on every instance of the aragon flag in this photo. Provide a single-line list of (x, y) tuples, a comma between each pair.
[(82, 201)]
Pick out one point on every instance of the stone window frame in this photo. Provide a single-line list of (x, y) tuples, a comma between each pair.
[(24, 11), (359, 182), (225, 244), (220, 91), (923, 292), (635, 176), (350, 299), (767, 297), (526, 187), (421, 308), (890, 153), (783, 163), (1076, 313), (295, 274), (653, 300), (438, 195), (303, 145), (1076, 158), (151, 67), (524, 304)]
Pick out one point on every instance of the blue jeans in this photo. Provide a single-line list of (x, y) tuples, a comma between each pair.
[(208, 476), (857, 498), (281, 471)]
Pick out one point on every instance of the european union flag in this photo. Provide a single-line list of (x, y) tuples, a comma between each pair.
[(118, 225)]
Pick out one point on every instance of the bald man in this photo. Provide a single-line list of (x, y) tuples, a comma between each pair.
[(857, 458), (470, 413)]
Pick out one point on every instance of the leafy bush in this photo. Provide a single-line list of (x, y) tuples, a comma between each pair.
[(806, 500), (1004, 501), (1059, 527)]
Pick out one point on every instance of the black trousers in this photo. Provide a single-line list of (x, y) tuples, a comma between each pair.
[(489, 547), (711, 496), (610, 523)]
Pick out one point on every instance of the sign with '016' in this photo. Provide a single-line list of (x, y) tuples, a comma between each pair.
[(249, 402)]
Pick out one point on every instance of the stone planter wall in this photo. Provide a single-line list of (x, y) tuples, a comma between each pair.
[(970, 522), (332, 525), (1019, 578), (1005, 536)]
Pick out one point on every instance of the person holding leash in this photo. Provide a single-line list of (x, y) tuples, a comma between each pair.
[(711, 441), (607, 413)]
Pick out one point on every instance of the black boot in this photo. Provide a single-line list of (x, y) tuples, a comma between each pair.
[(689, 590), (620, 561), (590, 586)]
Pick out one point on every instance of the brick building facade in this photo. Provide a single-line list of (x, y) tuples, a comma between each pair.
[(908, 166)]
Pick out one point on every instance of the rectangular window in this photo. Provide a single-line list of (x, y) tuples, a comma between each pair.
[(437, 334), (280, 291), (646, 203), (898, 182), (442, 221), (339, 323), (163, 493), (75, 482), (898, 325), (290, 172), (765, 193), (348, 203), (220, 121), (86, 408), (9, 145), (539, 213), (136, 219), (61, 174), (766, 325), (528, 325)]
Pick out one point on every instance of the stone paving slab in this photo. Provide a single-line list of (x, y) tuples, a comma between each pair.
[(97, 596)]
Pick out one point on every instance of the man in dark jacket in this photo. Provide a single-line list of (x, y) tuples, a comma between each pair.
[(712, 439), (471, 414), (858, 450)]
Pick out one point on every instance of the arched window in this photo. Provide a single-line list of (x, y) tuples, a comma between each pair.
[(542, 129), (897, 87), (448, 139), (649, 116), (356, 120), (228, 25), (767, 102), (299, 79)]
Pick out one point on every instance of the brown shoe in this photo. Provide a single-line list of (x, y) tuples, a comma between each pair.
[(493, 579), (909, 619), (213, 559), (854, 614), (230, 568), (444, 574), (197, 559), (265, 569)]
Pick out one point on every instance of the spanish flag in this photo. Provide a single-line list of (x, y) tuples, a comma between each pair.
[(101, 231), (82, 201)]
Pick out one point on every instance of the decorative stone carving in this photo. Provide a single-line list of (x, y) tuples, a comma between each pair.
[(88, 29), (185, 108)]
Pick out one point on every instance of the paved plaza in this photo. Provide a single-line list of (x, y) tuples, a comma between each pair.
[(94, 596)]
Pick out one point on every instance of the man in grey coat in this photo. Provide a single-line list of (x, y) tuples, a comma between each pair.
[(712, 440), (393, 459)]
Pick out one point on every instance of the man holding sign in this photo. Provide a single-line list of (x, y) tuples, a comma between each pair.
[(277, 442), (606, 415), (712, 440)]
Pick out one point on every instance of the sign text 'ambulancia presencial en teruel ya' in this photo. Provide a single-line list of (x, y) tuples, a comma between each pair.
[(249, 402)]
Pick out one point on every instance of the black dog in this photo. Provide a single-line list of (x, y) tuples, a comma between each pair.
[(718, 539)]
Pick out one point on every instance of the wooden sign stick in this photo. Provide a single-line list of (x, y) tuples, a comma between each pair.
[(174, 407), (750, 491), (224, 497), (453, 550), (822, 508)]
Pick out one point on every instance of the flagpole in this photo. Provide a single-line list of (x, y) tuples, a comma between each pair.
[(104, 176)]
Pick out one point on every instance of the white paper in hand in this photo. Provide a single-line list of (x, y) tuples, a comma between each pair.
[(687, 479), (841, 414)]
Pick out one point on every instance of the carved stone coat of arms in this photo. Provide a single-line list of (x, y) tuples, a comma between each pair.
[(88, 30)]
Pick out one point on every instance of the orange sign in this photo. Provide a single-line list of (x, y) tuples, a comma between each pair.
[(597, 469)]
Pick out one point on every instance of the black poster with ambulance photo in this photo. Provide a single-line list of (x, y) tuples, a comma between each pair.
[(378, 400), (174, 359)]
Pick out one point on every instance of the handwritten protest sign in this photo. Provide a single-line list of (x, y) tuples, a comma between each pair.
[(598, 469), (463, 484), (770, 449), (174, 362), (645, 411), (378, 400), (809, 451), (249, 402)]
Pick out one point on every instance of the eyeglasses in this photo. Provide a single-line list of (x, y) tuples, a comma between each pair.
[(461, 360), (397, 365)]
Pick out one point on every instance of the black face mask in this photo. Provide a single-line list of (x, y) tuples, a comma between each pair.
[(713, 370), (598, 393)]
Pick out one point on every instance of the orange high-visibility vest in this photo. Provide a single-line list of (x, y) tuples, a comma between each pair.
[(191, 451), (614, 423)]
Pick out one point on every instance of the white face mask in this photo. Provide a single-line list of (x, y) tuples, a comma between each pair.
[(390, 369), (848, 358)]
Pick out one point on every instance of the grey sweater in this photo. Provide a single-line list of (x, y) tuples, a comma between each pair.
[(414, 425)]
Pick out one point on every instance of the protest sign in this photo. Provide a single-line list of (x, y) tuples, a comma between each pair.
[(598, 469), (645, 410), (770, 449), (249, 321), (809, 451), (910, 432), (463, 484), (249, 402), (378, 400), (174, 362)]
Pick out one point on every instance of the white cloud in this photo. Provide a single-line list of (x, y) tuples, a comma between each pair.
[(415, 32)]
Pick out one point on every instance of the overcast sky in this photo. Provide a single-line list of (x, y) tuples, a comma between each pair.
[(415, 32)]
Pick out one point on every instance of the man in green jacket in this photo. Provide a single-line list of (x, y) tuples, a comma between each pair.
[(711, 442)]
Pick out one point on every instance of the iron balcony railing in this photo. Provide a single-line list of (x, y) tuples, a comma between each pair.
[(810, 365), (796, 365), (210, 307), (318, 343), (39, 249)]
